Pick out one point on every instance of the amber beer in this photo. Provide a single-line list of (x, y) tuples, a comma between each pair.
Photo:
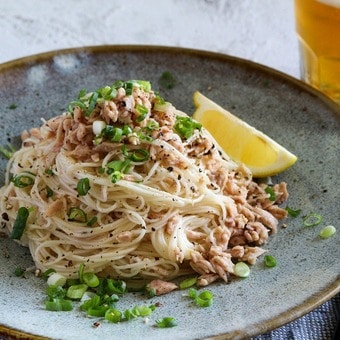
[(318, 28)]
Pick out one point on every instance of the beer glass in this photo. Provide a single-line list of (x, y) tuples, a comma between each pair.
[(318, 29)]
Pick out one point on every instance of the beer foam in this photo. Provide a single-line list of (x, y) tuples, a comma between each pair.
[(333, 3)]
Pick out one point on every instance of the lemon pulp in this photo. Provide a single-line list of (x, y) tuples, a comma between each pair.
[(242, 142)]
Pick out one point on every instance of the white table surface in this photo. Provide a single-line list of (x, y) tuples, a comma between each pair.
[(259, 30)]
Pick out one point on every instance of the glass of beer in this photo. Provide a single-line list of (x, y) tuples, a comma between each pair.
[(318, 28)]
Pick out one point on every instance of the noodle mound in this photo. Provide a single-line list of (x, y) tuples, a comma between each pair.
[(131, 187)]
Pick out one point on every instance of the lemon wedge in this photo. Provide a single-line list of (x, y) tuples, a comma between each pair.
[(242, 142)]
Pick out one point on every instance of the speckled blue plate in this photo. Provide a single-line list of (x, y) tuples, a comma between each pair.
[(298, 117)]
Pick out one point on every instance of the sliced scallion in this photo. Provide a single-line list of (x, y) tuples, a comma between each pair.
[(55, 292), (47, 273), (81, 272), (76, 292), (91, 279), (19, 223), (23, 179), (270, 261), (77, 215), (83, 186), (241, 269), (140, 155), (327, 231), (58, 305), (167, 80), (92, 302), (270, 191), (185, 126), (187, 283), (19, 272), (113, 315), (7, 151), (204, 299), (115, 286), (92, 103), (56, 279), (98, 311), (166, 322), (92, 221), (312, 219), (292, 212)]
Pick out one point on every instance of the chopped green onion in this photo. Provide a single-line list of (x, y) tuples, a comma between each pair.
[(292, 212), (92, 103), (93, 302), (13, 106), (75, 103), (91, 279), (58, 305), (142, 109), (7, 152), (107, 92), (166, 322), (116, 176), (47, 273), (128, 86), (204, 299), (141, 117), (76, 292), (167, 80), (241, 269), (129, 314), (187, 283), (77, 215), (145, 85), (151, 292), (49, 172), (19, 223), (113, 133), (113, 315), (98, 311), (49, 192), (98, 126), (152, 125), (115, 286), (159, 100), (269, 261), (55, 292), (121, 166), (193, 293), (270, 191), (19, 272), (81, 272), (139, 311), (72, 282), (126, 130), (327, 232), (83, 186), (23, 179), (185, 126), (56, 279), (312, 219), (140, 155), (92, 221)]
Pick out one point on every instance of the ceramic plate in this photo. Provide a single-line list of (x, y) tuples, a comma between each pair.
[(299, 118)]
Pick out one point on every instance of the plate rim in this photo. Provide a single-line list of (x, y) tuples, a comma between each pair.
[(296, 312)]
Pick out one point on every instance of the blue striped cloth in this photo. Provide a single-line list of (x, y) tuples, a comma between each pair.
[(320, 324)]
